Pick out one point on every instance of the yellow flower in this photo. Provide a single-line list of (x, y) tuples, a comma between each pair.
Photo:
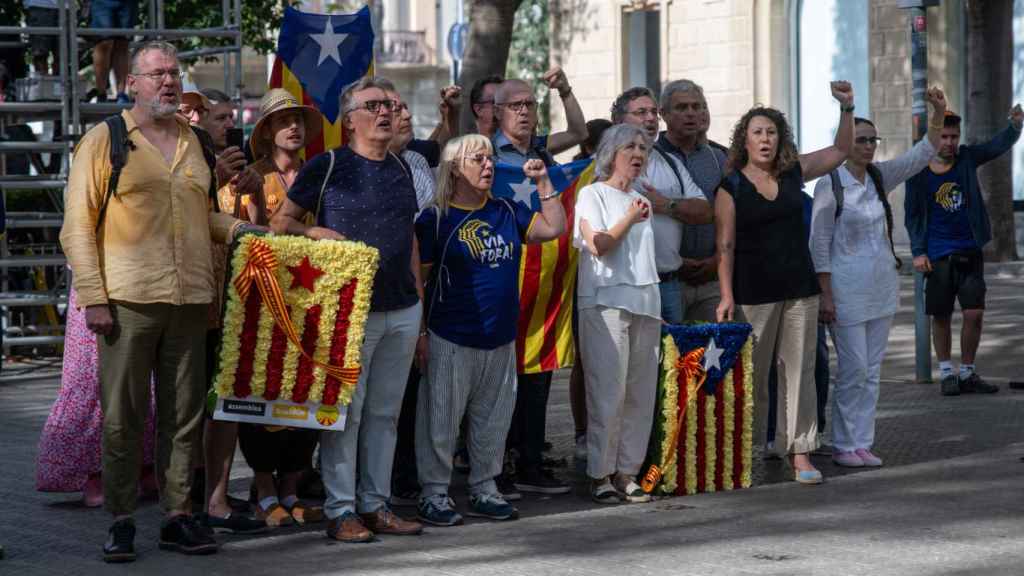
[(729, 415), (670, 413), (691, 435), (748, 410)]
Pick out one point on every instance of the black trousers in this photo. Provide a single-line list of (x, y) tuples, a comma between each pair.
[(282, 451), (404, 475), (526, 435)]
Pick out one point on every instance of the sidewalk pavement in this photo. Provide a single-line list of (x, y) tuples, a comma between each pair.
[(949, 502)]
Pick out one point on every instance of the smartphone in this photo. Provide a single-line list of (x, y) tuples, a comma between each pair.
[(235, 137)]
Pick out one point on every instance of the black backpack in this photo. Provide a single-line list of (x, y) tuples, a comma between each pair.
[(876, 177), (119, 147)]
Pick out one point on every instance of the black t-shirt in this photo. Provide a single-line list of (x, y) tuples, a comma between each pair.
[(772, 261), (369, 201), (430, 150)]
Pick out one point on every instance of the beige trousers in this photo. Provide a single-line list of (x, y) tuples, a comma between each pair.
[(700, 302), (791, 328)]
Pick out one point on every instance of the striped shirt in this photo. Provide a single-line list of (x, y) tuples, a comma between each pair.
[(706, 166)]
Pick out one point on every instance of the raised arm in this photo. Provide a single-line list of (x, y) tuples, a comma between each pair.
[(448, 127), (1001, 142), (576, 123), (725, 238), (820, 162), (550, 223)]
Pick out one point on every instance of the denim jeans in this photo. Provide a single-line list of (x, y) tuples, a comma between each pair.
[(672, 309)]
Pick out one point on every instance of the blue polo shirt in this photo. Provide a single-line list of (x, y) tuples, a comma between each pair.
[(370, 201), (509, 154)]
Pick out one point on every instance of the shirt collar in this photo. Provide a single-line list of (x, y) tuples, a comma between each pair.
[(502, 142), (664, 142), (130, 124)]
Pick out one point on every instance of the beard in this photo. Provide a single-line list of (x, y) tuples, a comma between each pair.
[(161, 110)]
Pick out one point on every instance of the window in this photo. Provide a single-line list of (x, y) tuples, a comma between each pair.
[(641, 46), (832, 37)]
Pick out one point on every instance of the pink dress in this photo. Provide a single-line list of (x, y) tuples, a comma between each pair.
[(69, 449)]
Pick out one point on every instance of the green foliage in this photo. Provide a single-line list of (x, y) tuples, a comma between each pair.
[(261, 19), (528, 54)]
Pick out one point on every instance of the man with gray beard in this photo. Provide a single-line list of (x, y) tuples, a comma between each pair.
[(141, 259)]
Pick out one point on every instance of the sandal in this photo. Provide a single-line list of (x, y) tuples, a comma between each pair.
[(275, 516), (303, 514)]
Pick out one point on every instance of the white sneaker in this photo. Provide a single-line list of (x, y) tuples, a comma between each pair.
[(580, 452)]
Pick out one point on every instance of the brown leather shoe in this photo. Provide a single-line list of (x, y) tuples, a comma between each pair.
[(348, 528), (385, 521)]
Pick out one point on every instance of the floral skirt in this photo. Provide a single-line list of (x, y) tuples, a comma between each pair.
[(70, 446)]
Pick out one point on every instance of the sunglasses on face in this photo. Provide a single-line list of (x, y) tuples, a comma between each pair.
[(862, 140)]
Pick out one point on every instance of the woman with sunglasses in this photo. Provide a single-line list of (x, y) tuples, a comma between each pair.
[(470, 247), (856, 264)]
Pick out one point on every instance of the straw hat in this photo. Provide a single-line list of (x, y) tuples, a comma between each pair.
[(195, 99), (274, 101)]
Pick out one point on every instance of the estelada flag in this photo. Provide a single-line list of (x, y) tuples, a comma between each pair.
[(318, 55), (547, 271)]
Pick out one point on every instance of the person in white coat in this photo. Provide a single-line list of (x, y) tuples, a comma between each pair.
[(856, 264)]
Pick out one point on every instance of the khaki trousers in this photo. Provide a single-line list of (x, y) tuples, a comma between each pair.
[(169, 342), (700, 302), (790, 326)]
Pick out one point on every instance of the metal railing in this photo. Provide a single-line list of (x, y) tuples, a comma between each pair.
[(404, 47)]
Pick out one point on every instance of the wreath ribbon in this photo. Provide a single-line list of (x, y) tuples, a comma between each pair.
[(259, 270), (690, 368)]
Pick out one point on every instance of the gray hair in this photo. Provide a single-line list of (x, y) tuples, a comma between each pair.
[(364, 83), (510, 86), (622, 101), (216, 96), (674, 86), (614, 139), (158, 45)]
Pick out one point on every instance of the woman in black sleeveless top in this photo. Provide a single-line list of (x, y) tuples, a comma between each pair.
[(765, 266)]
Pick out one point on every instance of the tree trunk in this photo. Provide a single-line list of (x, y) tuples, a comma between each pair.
[(490, 33), (989, 89)]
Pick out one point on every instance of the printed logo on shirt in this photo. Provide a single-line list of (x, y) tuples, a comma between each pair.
[(949, 197), (484, 245)]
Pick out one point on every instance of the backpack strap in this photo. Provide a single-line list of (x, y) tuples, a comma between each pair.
[(837, 191), (119, 145), (675, 170), (320, 199), (206, 143), (876, 178)]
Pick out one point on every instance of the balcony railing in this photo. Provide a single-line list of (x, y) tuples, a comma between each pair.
[(403, 47)]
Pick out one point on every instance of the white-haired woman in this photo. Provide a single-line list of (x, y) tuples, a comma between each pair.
[(470, 246), (619, 314)]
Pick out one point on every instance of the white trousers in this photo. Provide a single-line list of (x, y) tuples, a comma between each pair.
[(620, 367), (860, 349)]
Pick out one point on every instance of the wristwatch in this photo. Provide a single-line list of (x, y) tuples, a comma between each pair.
[(671, 207)]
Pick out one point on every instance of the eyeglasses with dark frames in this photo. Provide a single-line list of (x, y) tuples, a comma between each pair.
[(529, 105)]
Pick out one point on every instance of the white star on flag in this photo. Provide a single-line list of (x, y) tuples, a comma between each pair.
[(524, 191), (712, 354), (329, 42)]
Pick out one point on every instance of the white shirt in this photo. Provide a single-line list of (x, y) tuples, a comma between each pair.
[(626, 277), (855, 248), (668, 232)]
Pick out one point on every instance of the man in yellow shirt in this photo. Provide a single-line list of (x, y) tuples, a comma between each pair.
[(145, 275)]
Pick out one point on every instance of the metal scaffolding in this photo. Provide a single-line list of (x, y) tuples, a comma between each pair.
[(47, 275)]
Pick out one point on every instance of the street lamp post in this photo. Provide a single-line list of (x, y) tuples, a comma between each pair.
[(917, 17)]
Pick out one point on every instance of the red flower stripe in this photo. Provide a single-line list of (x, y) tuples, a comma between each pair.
[(275, 362), (719, 435), (332, 386), (304, 373), (247, 346), (702, 462), (681, 461)]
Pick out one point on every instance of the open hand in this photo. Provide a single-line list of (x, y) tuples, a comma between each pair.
[(321, 233), (726, 309)]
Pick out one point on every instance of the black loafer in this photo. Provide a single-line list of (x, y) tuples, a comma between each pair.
[(233, 523), (183, 534), (120, 545)]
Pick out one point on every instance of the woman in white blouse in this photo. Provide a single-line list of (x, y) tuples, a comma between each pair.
[(856, 264), (619, 315)]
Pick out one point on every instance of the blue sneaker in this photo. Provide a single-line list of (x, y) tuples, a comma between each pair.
[(123, 98), (491, 506), (438, 510)]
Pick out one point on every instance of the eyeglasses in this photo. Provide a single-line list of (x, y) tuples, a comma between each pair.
[(489, 102), (399, 106), (644, 112), (158, 75), (481, 158), (374, 106), (867, 140), (529, 105)]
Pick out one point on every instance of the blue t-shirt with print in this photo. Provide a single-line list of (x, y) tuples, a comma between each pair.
[(949, 229), (473, 288), (370, 201)]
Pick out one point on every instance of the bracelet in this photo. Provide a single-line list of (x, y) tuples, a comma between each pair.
[(554, 194), (849, 108), (566, 94)]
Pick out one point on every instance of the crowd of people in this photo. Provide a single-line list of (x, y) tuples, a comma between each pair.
[(675, 228)]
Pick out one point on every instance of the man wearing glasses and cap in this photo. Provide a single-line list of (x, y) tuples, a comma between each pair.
[(363, 192)]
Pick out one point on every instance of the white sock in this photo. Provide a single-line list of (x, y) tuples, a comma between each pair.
[(966, 370), (267, 502), (945, 368), (289, 501)]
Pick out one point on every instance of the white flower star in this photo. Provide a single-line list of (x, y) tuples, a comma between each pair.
[(524, 191), (329, 42), (712, 356)]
